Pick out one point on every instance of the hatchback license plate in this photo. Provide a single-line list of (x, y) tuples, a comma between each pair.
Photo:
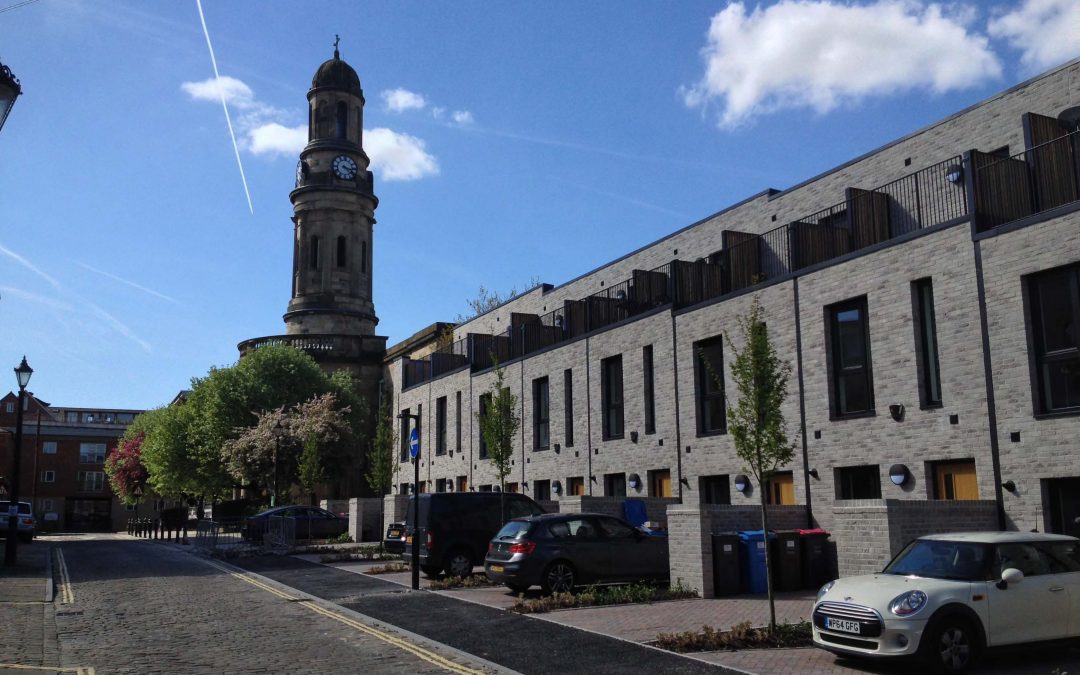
[(394, 534), (497, 568), (844, 625)]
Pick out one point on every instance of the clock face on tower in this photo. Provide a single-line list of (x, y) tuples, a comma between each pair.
[(344, 167)]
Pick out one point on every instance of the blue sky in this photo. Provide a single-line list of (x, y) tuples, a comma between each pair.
[(509, 140)]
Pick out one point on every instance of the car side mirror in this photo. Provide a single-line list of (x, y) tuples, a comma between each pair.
[(1010, 575)]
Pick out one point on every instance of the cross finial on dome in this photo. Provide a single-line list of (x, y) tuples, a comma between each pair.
[(337, 39)]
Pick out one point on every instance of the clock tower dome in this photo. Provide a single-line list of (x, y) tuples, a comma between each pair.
[(333, 212)]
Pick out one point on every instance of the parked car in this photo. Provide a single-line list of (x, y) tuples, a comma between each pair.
[(561, 551), (311, 522), (946, 598), (455, 527), (25, 522), (394, 542)]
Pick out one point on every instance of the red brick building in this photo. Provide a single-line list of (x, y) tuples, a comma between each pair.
[(63, 462)]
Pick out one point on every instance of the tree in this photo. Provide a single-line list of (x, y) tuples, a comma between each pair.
[(499, 423), (382, 465), (124, 467), (486, 300), (756, 422)]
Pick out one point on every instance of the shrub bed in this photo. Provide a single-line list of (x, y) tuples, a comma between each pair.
[(597, 596), (392, 568), (741, 636), (471, 581)]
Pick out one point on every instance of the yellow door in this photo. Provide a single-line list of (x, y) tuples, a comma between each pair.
[(956, 481), (780, 489), (661, 484)]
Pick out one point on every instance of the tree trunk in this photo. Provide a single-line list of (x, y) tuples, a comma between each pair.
[(768, 558)]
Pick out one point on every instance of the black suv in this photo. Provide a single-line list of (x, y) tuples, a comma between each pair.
[(456, 527)]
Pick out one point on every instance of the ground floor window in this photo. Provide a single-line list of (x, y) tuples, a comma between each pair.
[(541, 490), (1064, 505), (858, 482), (615, 485), (715, 489)]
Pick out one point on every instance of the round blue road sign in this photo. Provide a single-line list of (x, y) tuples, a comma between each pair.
[(414, 443)]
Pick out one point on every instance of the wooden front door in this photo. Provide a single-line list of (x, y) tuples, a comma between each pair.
[(780, 489), (956, 481)]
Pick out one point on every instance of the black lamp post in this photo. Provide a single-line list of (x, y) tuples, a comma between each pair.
[(9, 91), (22, 373)]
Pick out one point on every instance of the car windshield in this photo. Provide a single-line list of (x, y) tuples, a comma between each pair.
[(959, 561), (515, 529), (24, 507)]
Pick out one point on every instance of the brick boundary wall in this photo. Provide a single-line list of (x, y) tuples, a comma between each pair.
[(394, 507), (690, 531), (869, 532)]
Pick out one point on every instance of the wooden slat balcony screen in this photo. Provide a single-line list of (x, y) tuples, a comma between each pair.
[(1054, 166), (868, 212), (812, 243), (743, 259)]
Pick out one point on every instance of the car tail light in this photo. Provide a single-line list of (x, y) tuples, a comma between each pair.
[(491, 547), (28, 521), (430, 542), (525, 547)]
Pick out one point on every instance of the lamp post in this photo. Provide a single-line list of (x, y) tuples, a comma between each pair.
[(415, 451), (22, 374), (10, 88)]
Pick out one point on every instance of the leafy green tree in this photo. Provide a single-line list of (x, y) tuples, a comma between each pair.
[(382, 464), (499, 425), (756, 421)]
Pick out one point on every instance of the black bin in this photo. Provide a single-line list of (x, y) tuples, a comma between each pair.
[(787, 561), (725, 563), (816, 566)]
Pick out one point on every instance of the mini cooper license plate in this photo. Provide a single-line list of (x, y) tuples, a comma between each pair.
[(394, 534), (497, 568), (844, 625)]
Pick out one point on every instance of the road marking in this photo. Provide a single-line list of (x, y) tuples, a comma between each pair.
[(426, 655), (77, 671), (67, 595)]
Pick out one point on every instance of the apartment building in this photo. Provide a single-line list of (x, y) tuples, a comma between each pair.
[(927, 295), (63, 463)]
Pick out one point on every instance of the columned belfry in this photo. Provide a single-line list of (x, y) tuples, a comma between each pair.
[(333, 212), (331, 315)]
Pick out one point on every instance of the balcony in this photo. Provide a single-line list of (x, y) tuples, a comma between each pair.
[(864, 219), (333, 348)]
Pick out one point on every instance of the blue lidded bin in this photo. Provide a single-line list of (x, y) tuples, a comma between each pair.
[(752, 559)]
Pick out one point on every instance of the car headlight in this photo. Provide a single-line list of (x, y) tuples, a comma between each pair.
[(908, 603), (824, 589)]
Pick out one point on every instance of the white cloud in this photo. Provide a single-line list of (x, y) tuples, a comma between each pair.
[(1047, 32), (276, 139), (820, 54), (399, 100), (398, 156), (462, 117), (234, 91)]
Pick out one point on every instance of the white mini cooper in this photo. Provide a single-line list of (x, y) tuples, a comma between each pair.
[(946, 597)]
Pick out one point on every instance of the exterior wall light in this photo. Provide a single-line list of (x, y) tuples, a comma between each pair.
[(634, 481), (1009, 485), (954, 174), (897, 411), (899, 474), (556, 487), (742, 483)]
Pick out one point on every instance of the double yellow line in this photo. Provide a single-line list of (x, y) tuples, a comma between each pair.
[(77, 671), (425, 654), (67, 595)]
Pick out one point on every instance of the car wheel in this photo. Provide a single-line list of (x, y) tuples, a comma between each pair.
[(950, 645), (559, 577), (459, 564)]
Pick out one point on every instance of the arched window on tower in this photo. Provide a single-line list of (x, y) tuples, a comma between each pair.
[(341, 251), (314, 253), (311, 123), (359, 123), (342, 119), (321, 121), (363, 257)]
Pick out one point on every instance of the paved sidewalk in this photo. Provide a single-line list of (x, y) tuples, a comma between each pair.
[(28, 639)]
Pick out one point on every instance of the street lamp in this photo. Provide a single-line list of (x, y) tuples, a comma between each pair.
[(9, 91), (22, 374)]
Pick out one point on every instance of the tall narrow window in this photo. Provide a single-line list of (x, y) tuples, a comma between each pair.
[(440, 425), (852, 385), (541, 415), (926, 348), (485, 403), (858, 482), (341, 251), (403, 435), (342, 119), (314, 253), (611, 395), (709, 376), (457, 422), (1055, 323), (568, 406), (363, 257), (649, 399)]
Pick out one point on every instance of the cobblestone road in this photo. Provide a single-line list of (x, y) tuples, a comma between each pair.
[(142, 607)]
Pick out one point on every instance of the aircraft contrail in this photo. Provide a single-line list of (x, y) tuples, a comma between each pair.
[(228, 120)]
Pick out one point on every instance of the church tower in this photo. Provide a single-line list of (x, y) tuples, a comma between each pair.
[(333, 212)]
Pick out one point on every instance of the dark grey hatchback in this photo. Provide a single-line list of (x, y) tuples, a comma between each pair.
[(560, 551)]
